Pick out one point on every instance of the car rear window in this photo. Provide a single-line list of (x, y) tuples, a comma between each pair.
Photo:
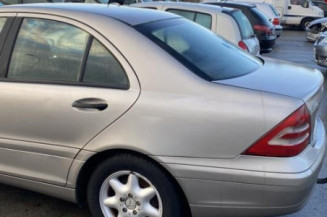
[(205, 54), (259, 17), (274, 10), (243, 24)]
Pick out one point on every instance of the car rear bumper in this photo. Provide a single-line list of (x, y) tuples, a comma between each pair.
[(266, 45), (278, 31), (215, 189)]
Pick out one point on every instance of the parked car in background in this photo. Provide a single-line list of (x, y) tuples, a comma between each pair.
[(263, 28), (294, 12), (315, 29), (121, 2), (10, 2), (320, 50), (272, 14), (322, 5), (239, 31), (143, 113), (125, 2)]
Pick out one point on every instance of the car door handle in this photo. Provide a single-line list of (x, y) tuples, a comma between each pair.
[(90, 103)]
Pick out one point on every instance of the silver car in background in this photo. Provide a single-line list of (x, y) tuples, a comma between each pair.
[(217, 19), (320, 50), (143, 113), (315, 29)]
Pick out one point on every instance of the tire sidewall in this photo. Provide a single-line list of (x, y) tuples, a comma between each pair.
[(304, 21)]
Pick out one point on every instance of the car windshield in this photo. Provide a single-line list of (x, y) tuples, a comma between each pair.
[(205, 54), (243, 24)]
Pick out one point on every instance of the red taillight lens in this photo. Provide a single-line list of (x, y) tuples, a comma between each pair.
[(276, 21), (287, 139), (261, 28), (242, 45)]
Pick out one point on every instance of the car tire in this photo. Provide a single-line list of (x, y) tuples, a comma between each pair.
[(130, 185), (305, 22)]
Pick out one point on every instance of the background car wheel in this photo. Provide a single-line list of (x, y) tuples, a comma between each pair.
[(128, 185), (305, 22)]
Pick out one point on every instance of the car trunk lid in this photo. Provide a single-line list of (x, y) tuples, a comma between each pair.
[(288, 79)]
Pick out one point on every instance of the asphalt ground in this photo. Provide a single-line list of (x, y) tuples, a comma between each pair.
[(291, 46)]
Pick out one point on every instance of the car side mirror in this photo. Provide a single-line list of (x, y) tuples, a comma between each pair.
[(289, 7)]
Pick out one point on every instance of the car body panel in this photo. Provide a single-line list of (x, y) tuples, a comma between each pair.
[(247, 189), (47, 136), (196, 129), (282, 81)]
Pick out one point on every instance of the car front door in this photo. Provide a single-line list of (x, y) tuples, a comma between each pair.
[(62, 83)]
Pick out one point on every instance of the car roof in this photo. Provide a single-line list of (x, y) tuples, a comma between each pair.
[(242, 4), (186, 5), (128, 15)]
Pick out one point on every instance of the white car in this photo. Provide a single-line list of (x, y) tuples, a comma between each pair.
[(239, 31)]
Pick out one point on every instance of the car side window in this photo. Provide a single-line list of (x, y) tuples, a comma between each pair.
[(295, 2), (35, 1), (200, 18), (48, 50), (103, 68), (150, 8), (11, 2), (204, 20), (2, 23), (186, 14), (305, 3)]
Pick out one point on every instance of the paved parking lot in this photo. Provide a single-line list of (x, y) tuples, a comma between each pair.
[(291, 46)]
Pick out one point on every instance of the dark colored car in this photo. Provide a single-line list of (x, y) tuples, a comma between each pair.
[(322, 6), (263, 28)]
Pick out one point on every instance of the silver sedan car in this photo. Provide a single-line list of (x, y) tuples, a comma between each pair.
[(315, 29), (143, 113), (320, 50)]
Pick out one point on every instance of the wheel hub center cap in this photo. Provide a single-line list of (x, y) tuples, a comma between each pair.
[(130, 203)]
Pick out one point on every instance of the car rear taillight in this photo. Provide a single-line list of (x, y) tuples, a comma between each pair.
[(265, 29), (242, 45), (276, 21), (289, 138)]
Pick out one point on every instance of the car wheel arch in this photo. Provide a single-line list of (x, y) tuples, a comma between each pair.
[(96, 159), (304, 20)]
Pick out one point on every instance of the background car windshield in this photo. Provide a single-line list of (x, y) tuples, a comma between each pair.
[(207, 55), (244, 24)]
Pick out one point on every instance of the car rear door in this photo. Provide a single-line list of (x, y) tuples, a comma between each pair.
[(61, 84)]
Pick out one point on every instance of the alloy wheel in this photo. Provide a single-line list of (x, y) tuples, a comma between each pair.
[(127, 194)]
